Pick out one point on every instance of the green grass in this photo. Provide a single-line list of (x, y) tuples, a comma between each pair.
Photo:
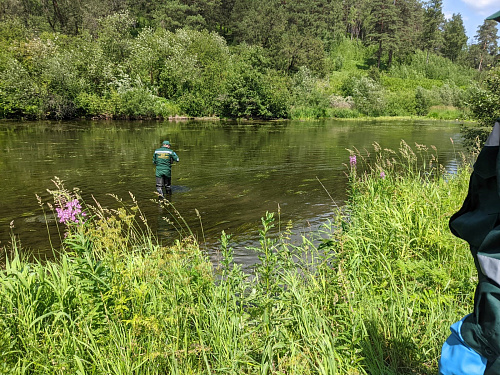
[(445, 113), (373, 293)]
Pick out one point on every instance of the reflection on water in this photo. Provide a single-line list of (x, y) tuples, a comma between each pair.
[(229, 174)]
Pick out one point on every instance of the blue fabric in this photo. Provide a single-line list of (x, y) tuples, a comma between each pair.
[(457, 358)]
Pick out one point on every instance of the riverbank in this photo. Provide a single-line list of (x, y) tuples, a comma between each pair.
[(452, 115), (376, 296)]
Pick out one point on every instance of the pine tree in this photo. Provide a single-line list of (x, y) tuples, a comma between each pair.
[(411, 14), (454, 37), (487, 35), (433, 23), (384, 24)]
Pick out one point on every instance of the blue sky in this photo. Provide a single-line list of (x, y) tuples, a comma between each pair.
[(473, 12)]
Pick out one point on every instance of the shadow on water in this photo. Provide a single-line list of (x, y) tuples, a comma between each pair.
[(229, 175)]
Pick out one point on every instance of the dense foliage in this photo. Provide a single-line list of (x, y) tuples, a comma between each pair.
[(484, 108), (238, 58), (374, 294)]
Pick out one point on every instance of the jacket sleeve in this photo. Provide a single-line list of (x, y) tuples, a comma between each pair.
[(457, 358)]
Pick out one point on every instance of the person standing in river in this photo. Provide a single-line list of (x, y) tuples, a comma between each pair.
[(163, 159)]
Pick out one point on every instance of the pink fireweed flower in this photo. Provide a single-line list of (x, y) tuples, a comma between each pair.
[(382, 174), (71, 212), (352, 160)]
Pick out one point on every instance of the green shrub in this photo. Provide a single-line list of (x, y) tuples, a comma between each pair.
[(423, 101), (193, 104), (309, 99), (400, 103), (92, 105), (408, 84), (133, 104), (451, 95), (250, 93), (340, 82), (431, 66), (140, 102), (347, 54), (369, 97), (20, 95), (189, 67)]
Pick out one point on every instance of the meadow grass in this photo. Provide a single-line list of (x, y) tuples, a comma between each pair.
[(373, 293), (446, 113)]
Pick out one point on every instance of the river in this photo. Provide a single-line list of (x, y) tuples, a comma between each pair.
[(229, 174)]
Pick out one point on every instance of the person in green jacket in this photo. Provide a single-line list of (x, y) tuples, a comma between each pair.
[(473, 348), (163, 159)]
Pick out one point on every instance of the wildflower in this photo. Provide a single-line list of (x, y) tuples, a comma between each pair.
[(71, 212), (352, 160), (382, 174)]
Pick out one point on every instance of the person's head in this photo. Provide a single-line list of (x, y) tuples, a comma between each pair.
[(166, 144)]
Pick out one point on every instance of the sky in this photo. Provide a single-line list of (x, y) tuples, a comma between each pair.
[(473, 12)]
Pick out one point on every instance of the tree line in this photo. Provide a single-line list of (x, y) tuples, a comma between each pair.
[(236, 58)]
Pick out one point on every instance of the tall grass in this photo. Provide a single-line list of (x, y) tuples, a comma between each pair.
[(410, 277), (372, 293)]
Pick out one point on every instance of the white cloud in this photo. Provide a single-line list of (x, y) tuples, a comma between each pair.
[(480, 3), (482, 6)]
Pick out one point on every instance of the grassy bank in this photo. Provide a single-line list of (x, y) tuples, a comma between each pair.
[(375, 297)]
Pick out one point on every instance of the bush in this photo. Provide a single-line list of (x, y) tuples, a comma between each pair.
[(130, 103), (369, 97), (20, 95), (340, 102), (193, 104), (251, 92), (140, 102), (483, 104), (483, 100), (92, 105), (193, 70), (400, 103), (277, 93), (431, 66), (451, 95), (422, 101), (347, 54), (309, 99), (408, 84)]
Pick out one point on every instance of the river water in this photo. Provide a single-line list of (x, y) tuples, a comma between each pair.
[(229, 173)]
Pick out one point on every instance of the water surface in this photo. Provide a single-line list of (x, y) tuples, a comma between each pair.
[(229, 173)]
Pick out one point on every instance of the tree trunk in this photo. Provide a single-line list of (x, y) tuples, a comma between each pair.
[(379, 53), (481, 59)]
